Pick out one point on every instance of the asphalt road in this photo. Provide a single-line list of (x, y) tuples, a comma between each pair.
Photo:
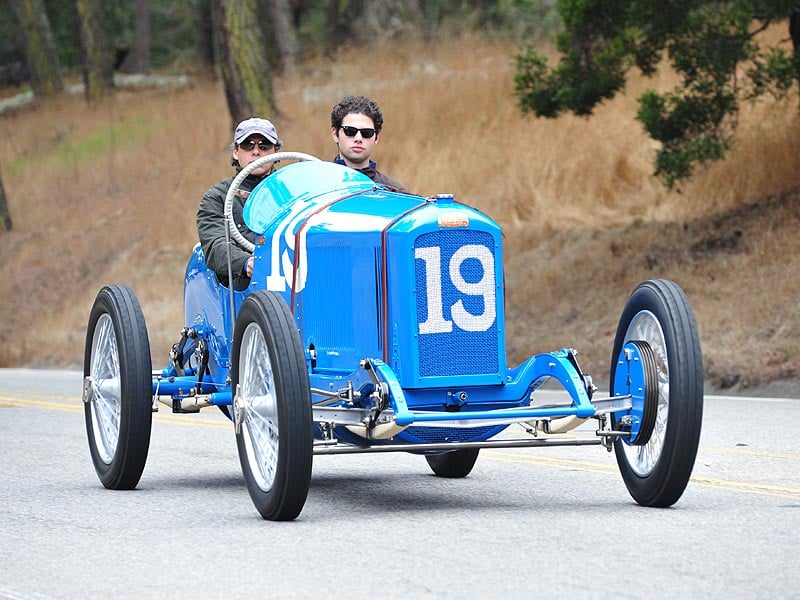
[(549, 523)]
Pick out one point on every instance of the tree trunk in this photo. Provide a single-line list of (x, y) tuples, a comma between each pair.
[(429, 17), (379, 20), (794, 33), (285, 39), (352, 23), (138, 59), (331, 26), (40, 48), (298, 8), (243, 60), (204, 47), (5, 216), (97, 62)]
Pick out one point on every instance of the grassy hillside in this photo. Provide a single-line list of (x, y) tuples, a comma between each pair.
[(108, 193)]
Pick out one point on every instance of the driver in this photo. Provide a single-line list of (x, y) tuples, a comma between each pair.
[(253, 139)]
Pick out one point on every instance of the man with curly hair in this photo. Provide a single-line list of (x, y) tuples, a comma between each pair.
[(356, 123)]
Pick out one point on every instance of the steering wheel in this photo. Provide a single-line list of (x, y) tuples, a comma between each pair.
[(237, 182)]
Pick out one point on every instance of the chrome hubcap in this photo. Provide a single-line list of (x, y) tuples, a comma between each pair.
[(259, 408), (106, 402), (643, 458)]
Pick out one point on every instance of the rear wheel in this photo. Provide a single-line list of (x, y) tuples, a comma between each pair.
[(658, 327), (454, 464), (272, 407), (117, 388)]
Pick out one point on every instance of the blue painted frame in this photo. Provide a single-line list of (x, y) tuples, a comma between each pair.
[(341, 251)]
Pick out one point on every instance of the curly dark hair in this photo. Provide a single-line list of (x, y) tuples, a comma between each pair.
[(358, 105)]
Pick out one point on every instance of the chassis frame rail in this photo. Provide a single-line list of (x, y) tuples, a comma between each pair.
[(332, 447)]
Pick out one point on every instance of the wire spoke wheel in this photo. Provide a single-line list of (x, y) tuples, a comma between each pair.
[(657, 463), (117, 388), (106, 401), (646, 333), (260, 410), (272, 407)]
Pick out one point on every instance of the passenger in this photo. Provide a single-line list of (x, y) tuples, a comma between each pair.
[(253, 139), (356, 124)]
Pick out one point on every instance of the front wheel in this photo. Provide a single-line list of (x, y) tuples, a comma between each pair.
[(117, 388), (272, 407), (657, 327), (454, 464)]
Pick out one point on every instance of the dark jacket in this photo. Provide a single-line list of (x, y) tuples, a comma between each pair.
[(211, 230), (376, 175)]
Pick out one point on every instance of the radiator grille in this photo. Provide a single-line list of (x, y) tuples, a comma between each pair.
[(456, 303), (433, 435), (334, 335)]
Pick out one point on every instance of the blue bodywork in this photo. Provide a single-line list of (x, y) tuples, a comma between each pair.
[(410, 286)]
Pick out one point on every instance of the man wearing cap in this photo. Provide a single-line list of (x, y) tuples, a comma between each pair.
[(356, 123), (253, 139)]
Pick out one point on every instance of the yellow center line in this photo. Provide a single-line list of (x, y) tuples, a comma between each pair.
[(761, 489), (25, 395), (192, 421), (175, 419), (749, 486), (14, 403), (565, 463), (736, 451), (75, 405)]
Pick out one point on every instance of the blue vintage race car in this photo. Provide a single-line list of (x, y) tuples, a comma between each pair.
[(374, 322)]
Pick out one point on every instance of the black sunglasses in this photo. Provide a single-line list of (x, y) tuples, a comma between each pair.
[(366, 132), (250, 144)]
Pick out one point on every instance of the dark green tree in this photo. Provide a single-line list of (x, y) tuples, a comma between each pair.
[(138, 58), (283, 34), (244, 60), (712, 46), (204, 36), (96, 56), (5, 215), (40, 48)]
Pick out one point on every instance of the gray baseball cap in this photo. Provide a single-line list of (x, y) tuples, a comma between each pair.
[(255, 125)]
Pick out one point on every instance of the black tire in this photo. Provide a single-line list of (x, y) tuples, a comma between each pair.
[(454, 464), (656, 470), (269, 376), (118, 388)]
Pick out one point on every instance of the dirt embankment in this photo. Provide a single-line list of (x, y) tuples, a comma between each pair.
[(108, 193), (740, 271)]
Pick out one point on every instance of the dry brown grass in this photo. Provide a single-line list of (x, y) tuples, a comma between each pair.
[(584, 219)]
